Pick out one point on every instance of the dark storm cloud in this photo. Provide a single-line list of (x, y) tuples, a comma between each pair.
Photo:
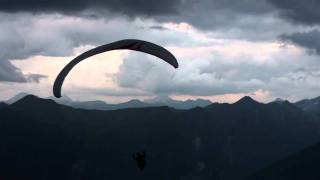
[(301, 11), (35, 77), (10, 73), (236, 18), (201, 13), (204, 14), (309, 40), (158, 27), (304, 13), (133, 7), (129, 7)]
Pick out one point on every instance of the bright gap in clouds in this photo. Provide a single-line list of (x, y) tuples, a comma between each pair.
[(94, 72)]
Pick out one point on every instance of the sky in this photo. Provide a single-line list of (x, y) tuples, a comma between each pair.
[(226, 49)]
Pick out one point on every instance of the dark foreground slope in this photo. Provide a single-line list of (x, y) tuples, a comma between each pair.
[(3, 105), (44, 140), (302, 165)]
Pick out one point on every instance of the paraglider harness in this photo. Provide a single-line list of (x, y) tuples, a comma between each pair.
[(140, 158)]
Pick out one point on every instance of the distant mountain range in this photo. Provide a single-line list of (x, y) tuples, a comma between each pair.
[(167, 101), (306, 104), (101, 105), (41, 139)]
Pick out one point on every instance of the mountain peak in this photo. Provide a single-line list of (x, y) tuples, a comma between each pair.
[(32, 100), (247, 100), (279, 100), (159, 99), (30, 97), (134, 101)]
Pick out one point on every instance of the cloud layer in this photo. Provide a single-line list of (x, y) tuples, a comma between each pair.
[(225, 47), (309, 40), (302, 12), (137, 7)]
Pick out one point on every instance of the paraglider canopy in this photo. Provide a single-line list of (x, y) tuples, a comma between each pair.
[(130, 44)]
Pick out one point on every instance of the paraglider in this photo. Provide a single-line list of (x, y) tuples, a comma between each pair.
[(130, 44), (140, 158)]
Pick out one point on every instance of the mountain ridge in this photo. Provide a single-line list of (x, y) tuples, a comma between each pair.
[(234, 139), (309, 104)]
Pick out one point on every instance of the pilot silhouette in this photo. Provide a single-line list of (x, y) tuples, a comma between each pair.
[(140, 158)]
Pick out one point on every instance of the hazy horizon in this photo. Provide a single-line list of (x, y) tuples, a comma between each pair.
[(150, 100)]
